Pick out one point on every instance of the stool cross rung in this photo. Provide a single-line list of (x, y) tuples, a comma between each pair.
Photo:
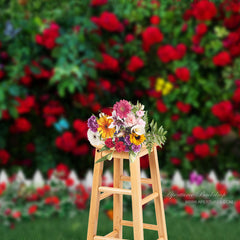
[(145, 225), (105, 195), (107, 238), (112, 234), (149, 198), (115, 190), (143, 180)]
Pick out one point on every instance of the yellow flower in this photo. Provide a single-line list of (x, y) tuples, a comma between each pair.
[(163, 86), (159, 84), (137, 139), (103, 127)]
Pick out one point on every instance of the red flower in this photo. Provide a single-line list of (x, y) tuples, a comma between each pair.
[(161, 107), (221, 189), (155, 20), (201, 29), (204, 215), (190, 156), (2, 73), (16, 214), (236, 96), (199, 133), (181, 51), (81, 127), (69, 182), (21, 125), (202, 150), (151, 35), (96, 3), (25, 105), (83, 149), (167, 53), (223, 129), (26, 80), (109, 143), (175, 161), (108, 63), (204, 10), (169, 201), (237, 206), (129, 38), (144, 162), (109, 22), (222, 110), (119, 146), (214, 212), (189, 210), (210, 132), (183, 74), (32, 209), (222, 59), (135, 64), (4, 156), (49, 36), (183, 107), (53, 200), (66, 142), (30, 147), (2, 187)]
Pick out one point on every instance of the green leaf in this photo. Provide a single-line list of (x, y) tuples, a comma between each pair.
[(106, 157)]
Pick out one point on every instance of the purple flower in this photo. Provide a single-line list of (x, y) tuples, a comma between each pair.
[(136, 148), (127, 140), (92, 123), (196, 178), (126, 149)]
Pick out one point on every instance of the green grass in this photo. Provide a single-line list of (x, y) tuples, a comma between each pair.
[(76, 229)]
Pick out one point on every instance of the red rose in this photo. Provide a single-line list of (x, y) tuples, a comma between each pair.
[(189, 210), (81, 127), (108, 63), (237, 206), (210, 132), (236, 95), (183, 74), (4, 156), (181, 51), (119, 146), (167, 53), (135, 64), (1, 73), (201, 29), (202, 150), (151, 35), (223, 110), (25, 105), (26, 80), (204, 215), (155, 20), (129, 38), (96, 3), (109, 22), (21, 125), (199, 133), (53, 200), (204, 10), (183, 107), (32, 209), (161, 107), (16, 214), (175, 161), (176, 136), (69, 182), (222, 59), (109, 143), (223, 129), (190, 156), (198, 49), (221, 189), (30, 147), (81, 150), (66, 142)]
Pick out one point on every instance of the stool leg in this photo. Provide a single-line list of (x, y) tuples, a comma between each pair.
[(136, 199), (117, 198), (95, 197), (158, 202)]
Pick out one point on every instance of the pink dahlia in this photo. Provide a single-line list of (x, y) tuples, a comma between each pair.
[(122, 108)]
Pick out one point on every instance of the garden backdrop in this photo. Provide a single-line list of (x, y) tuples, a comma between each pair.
[(61, 61)]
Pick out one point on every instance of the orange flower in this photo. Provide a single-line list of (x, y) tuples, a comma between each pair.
[(103, 128)]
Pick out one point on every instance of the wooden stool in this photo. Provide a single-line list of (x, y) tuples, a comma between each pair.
[(99, 193)]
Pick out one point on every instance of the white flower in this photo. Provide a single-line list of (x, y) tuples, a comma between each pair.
[(94, 138), (141, 122), (130, 120), (138, 129), (140, 113)]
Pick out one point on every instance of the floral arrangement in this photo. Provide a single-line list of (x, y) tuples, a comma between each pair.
[(125, 130)]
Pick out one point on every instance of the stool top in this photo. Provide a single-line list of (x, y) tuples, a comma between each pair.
[(123, 155)]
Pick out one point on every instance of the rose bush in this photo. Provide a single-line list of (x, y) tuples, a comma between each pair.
[(181, 60)]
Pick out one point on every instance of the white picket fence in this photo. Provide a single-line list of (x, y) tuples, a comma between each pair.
[(177, 179)]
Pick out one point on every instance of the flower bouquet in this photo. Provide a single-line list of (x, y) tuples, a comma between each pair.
[(125, 130)]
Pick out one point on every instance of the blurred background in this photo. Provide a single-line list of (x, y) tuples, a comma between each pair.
[(62, 61)]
